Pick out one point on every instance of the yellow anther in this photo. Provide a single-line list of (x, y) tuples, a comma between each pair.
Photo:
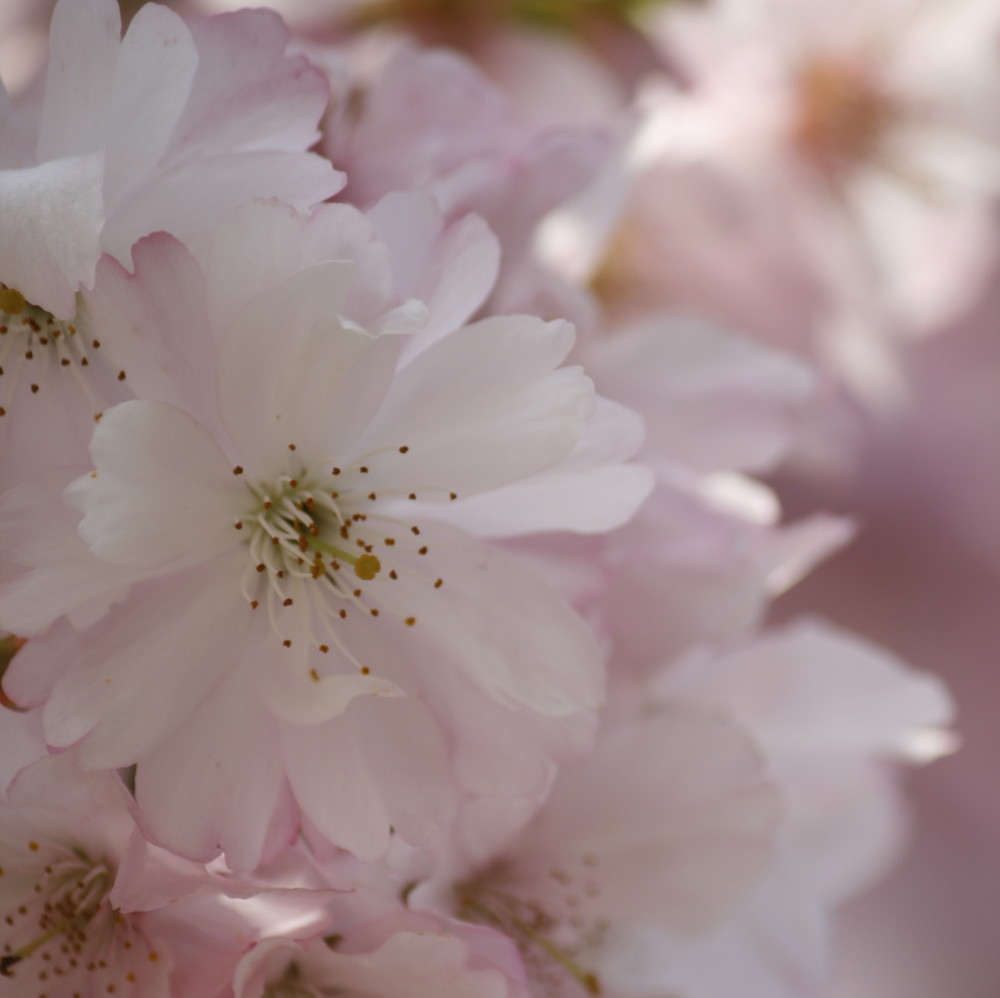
[(12, 301), (367, 567)]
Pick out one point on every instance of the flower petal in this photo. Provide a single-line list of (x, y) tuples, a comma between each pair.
[(162, 494)]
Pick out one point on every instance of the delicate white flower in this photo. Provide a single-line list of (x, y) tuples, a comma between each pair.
[(300, 618)]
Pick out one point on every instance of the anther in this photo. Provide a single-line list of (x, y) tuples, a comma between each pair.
[(367, 567), (12, 301), (238, 470)]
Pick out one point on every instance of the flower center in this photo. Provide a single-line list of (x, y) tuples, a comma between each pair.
[(59, 926), (321, 547), (292, 984), (34, 345), (553, 931), (841, 117)]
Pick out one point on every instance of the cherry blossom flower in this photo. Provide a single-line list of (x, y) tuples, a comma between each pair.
[(858, 128), (63, 834), (663, 829), (326, 634)]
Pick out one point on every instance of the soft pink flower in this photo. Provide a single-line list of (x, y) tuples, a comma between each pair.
[(663, 830), (75, 918), (830, 711), (859, 129), (286, 479)]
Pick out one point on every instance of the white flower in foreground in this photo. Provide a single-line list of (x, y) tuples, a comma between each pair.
[(298, 619)]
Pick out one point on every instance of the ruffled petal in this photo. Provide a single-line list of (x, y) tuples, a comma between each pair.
[(162, 494), (482, 407)]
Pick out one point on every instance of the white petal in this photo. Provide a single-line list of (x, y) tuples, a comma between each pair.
[(481, 408), (83, 56), (216, 785), (450, 268), (535, 654), (382, 763), (141, 672), (156, 66), (162, 493), (50, 220)]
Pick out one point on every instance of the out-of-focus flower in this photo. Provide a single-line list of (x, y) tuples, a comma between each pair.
[(663, 828), (831, 712), (70, 923), (858, 130)]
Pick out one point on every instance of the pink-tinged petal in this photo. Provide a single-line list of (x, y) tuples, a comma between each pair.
[(290, 374), (217, 784), (437, 94), (712, 401), (261, 244), (248, 93), (589, 492), (187, 198), (150, 878), (32, 676), (39, 530), (813, 687), (144, 669), (21, 743), (294, 696), (156, 67), (482, 407), (500, 752), (50, 218), (450, 268), (382, 763), (775, 944), (537, 654), (83, 591), (153, 325), (848, 821), (162, 495), (84, 40), (676, 813)]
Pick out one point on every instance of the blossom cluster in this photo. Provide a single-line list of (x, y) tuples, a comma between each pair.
[(384, 557)]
